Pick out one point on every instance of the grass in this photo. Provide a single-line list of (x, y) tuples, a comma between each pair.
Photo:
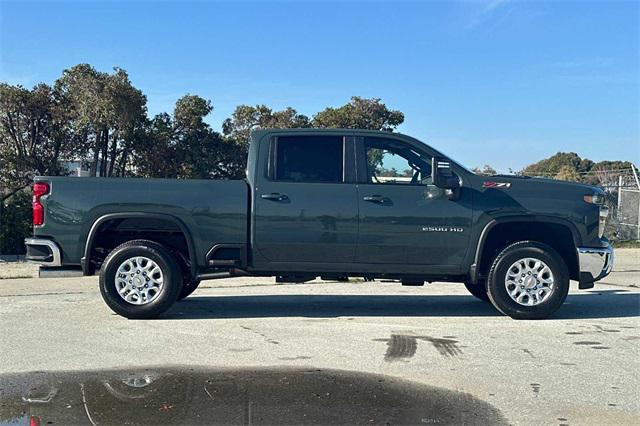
[(627, 244), (11, 277)]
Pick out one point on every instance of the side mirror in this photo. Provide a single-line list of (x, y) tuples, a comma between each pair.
[(442, 175)]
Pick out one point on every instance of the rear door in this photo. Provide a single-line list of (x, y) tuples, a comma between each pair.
[(404, 219), (305, 202)]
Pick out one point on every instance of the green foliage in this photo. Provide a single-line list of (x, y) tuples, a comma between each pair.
[(247, 118), (105, 112), (566, 172), (190, 112), (184, 146), (155, 150), (360, 113), (33, 135), (635, 244), (552, 166), (375, 156), (570, 166), (15, 223), (487, 170)]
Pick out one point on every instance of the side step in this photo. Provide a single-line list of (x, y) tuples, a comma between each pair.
[(59, 272)]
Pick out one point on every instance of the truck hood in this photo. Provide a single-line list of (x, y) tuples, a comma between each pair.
[(524, 182)]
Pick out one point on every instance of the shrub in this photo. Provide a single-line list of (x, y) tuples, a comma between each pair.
[(15, 223)]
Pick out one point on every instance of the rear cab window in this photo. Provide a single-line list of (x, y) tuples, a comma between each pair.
[(307, 158)]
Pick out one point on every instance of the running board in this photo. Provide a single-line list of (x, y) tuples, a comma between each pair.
[(59, 272)]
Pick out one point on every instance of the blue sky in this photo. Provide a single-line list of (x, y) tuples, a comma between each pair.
[(499, 82)]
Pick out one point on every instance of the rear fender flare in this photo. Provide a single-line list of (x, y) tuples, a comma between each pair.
[(85, 261)]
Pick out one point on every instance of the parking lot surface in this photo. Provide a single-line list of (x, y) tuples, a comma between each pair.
[(459, 355)]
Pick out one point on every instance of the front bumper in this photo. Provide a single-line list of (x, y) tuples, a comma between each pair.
[(43, 252), (595, 264)]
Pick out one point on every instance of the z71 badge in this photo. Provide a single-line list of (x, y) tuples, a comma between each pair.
[(491, 184)]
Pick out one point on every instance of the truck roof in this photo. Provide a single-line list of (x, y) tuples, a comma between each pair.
[(328, 130)]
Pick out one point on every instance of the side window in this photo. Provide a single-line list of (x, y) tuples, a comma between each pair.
[(309, 159), (392, 162)]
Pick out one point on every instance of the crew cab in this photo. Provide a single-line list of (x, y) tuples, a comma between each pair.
[(329, 203)]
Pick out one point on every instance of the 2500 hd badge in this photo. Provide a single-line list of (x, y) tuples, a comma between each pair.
[(442, 229)]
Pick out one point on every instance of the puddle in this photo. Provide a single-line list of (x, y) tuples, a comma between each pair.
[(252, 396)]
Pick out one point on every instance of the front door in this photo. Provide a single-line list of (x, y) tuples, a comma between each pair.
[(306, 207), (404, 219)]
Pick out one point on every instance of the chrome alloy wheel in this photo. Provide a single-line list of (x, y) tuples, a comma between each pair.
[(139, 280), (529, 281)]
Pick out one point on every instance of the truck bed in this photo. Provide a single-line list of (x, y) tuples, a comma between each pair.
[(213, 211)]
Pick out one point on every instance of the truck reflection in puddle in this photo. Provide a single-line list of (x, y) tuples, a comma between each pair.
[(250, 396)]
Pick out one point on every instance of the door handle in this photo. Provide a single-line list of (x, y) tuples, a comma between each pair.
[(274, 196), (379, 199)]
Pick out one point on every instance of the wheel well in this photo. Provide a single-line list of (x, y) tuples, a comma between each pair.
[(113, 232), (557, 236)]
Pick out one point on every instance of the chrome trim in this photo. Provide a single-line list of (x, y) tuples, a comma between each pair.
[(57, 258), (595, 262), (602, 220)]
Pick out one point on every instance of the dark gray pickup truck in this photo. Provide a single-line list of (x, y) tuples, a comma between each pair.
[(330, 203)]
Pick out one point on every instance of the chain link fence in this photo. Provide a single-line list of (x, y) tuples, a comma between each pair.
[(622, 190), (628, 216)]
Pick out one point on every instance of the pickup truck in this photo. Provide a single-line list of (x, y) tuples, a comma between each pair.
[(332, 203)]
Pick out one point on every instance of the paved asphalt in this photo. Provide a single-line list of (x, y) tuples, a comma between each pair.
[(345, 352)]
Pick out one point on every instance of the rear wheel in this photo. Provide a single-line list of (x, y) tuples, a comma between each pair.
[(479, 290), (528, 280), (140, 279)]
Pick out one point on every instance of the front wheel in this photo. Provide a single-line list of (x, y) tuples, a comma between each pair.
[(528, 280), (140, 279)]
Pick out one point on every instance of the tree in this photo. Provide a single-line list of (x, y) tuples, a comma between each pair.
[(184, 145), (360, 113), (243, 121), (569, 166), (106, 111), (33, 136), (553, 165), (204, 153), (567, 172), (154, 152), (247, 118), (487, 170)]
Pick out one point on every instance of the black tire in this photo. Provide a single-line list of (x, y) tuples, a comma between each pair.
[(479, 290), (171, 283), (188, 288), (496, 280)]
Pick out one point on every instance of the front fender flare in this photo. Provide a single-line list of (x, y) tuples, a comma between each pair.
[(473, 269)]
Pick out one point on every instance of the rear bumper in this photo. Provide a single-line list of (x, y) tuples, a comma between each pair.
[(595, 264), (43, 252)]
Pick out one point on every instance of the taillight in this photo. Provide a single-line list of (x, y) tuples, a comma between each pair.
[(39, 189)]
